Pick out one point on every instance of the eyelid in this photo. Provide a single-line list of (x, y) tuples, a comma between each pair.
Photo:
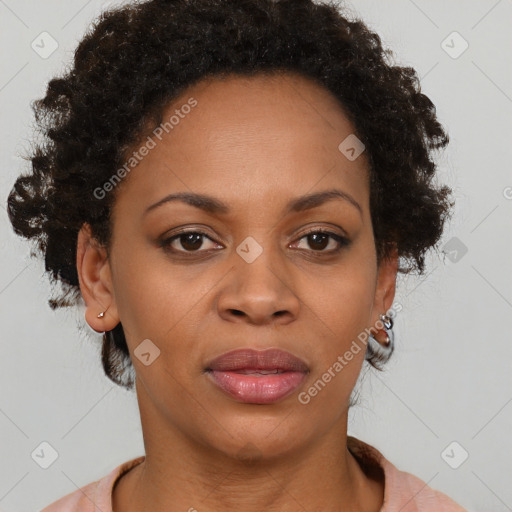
[(323, 229)]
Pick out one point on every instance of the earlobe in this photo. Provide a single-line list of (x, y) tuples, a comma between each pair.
[(93, 268)]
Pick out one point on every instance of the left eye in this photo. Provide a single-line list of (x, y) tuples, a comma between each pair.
[(320, 240)]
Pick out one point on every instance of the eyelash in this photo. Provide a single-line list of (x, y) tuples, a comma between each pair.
[(342, 241)]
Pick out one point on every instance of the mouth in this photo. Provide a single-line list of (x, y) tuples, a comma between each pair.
[(257, 377)]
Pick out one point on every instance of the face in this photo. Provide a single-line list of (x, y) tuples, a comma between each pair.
[(256, 267)]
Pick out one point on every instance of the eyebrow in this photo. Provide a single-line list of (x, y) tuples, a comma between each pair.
[(214, 206)]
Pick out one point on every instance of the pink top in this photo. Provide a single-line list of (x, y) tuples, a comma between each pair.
[(402, 491)]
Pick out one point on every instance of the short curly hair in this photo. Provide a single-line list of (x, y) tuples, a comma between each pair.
[(138, 57)]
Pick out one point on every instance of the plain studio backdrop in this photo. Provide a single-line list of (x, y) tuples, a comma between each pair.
[(442, 409)]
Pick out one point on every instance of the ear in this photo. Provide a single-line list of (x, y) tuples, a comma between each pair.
[(385, 286), (95, 281)]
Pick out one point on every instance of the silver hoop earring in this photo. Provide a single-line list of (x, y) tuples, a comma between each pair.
[(381, 351)]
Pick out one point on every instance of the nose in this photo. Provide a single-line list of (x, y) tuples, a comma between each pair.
[(261, 292)]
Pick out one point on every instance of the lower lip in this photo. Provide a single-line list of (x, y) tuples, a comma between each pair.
[(264, 389)]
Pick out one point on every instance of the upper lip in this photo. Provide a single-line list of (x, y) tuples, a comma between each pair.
[(250, 359)]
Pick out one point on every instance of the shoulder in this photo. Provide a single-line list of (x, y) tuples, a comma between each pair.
[(402, 491), (94, 496)]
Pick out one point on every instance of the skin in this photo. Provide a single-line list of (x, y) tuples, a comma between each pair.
[(256, 144)]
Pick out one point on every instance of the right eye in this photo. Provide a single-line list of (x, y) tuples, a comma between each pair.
[(190, 241)]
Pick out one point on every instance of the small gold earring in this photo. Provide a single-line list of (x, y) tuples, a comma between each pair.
[(102, 314)]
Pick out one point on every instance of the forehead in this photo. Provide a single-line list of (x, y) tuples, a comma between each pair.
[(269, 100), (265, 136)]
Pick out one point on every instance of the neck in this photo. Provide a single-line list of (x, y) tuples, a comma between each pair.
[(325, 478), (181, 474)]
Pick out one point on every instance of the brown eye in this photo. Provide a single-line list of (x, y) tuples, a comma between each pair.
[(319, 240), (189, 241)]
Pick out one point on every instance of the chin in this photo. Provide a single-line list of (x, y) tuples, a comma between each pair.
[(261, 436)]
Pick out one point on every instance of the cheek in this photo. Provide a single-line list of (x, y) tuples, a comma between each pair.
[(151, 295), (341, 297), (167, 304), (339, 315), (339, 310)]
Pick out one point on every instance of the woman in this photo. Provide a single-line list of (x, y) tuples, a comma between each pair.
[(231, 188)]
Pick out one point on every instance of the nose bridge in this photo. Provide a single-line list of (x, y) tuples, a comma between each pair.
[(259, 289), (257, 266)]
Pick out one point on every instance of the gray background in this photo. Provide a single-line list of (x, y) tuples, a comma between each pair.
[(450, 377)]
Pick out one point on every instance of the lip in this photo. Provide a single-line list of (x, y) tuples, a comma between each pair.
[(257, 377)]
